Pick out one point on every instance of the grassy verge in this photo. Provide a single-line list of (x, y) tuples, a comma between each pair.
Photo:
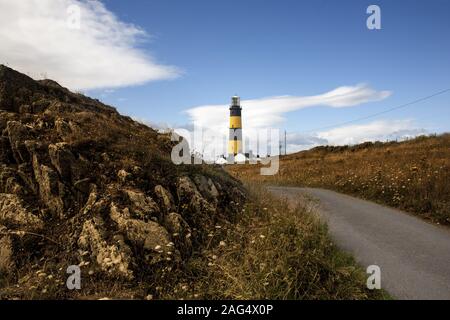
[(411, 175), (273, 252)]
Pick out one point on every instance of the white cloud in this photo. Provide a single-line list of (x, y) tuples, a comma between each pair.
[(300, 141), (35, 38), (269, 112), (380, 130)]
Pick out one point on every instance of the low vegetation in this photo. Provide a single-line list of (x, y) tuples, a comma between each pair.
[(82, 186), (272, 252), (412, 175)]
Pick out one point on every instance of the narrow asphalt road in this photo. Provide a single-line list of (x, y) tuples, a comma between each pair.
[(413, 255)]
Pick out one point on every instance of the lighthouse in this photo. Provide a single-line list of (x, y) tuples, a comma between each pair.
[(235, 139)]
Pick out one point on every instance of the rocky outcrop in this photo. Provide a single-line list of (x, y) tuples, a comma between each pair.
[(81, 184), (18, 134), (6, 253), (206, 187), (50, 188), (165, 199), (196, 209), (180, 231), (150, 236), (114, 259), (142, 206), (13, 214), (62, 159), (9, 181)]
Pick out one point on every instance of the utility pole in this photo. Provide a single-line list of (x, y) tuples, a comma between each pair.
[(285, 147)]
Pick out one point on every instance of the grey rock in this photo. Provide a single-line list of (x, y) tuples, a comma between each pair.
[(193, 207), (165, 199), (18, 133), (49, 187), (144, 207), (62, 159), (6, 254), (180, 232), (150, 236), (115, 258), (13, 213), (206, 187)]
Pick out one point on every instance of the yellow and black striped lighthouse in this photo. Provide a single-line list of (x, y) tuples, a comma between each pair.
[(235, 139)]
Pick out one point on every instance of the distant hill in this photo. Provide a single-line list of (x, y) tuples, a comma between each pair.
[(412, 175)]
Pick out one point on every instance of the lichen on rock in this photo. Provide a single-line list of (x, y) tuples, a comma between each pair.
[(143, 207), (14, 214), (150, 236), (6, 253), (165, 199), (115, 259)]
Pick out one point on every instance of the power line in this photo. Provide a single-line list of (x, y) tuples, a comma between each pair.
[(382, 112)]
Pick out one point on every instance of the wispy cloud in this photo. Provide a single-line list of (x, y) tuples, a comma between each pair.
[(380, 130), (270, 111), (35, 38), (377, 130), (213, 119)]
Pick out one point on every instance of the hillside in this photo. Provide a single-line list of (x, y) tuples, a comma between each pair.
[(81, 185), (411, 175)]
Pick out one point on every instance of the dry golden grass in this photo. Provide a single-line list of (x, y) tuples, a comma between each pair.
[(272, 252), (412, 175)]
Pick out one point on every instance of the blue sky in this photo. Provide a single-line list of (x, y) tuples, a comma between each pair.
[(270, 48), (260, 49)]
